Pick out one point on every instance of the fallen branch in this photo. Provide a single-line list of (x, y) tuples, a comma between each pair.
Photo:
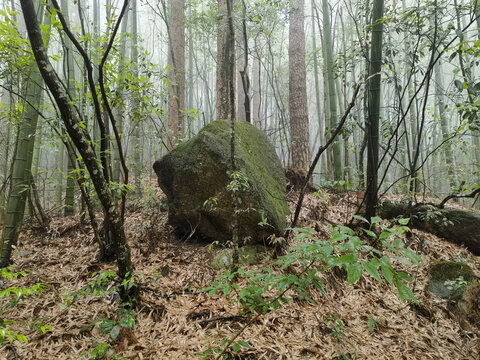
[(222, 318), (458, 196)]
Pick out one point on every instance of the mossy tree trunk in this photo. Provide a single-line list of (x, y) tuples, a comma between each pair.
[(456, 226)]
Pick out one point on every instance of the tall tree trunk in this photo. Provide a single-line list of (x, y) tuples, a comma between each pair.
[(321, 124), (176, 72), (136, 106), (374, 108), (188, 125), (70, 81), (119, 109), (225, 66), (442, 109), (22, 162), (332, 100), (256, 84), (297, 88)]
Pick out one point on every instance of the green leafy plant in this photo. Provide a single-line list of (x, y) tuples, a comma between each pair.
[(337, 334), (235, 348), (100, 286), (302, 268), (238, 185), (372, 324), (457, 286), (15, 294), (100, 351), (437, 217), (112, 327), (104, 284)]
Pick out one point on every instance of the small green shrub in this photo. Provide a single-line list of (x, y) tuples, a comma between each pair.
[(15, 295), (303, 266)]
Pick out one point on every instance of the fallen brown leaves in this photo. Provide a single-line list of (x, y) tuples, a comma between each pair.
[(175, 320)]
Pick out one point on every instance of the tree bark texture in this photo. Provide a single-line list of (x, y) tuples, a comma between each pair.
[(297, 88), (225, 66), (374, 109), (331, 89), (176, 72)]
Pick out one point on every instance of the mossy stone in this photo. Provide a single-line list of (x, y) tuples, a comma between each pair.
[(450, 279), (197, 171), (248, 255)]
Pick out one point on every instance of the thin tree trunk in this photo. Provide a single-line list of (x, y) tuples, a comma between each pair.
[(136, 106), (374, 109), (119, 109), (332, 100), (70, 81)]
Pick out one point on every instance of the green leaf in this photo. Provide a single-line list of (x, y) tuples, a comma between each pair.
[(404, 276), (244, 344), (398, 243), (22, 338), (459, 85), (354, 272), (371, 267), (106, 325), (385, 234), (342, 260), (375, 220), (115, 332), (361, 218), (346, 230), (459, 34), (387, 272), (404, 292), (370, 233), (403, 221), (410, 255), (236, 348), (371, 324)]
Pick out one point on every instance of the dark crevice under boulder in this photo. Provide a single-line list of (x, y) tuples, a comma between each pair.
[(197, 171)]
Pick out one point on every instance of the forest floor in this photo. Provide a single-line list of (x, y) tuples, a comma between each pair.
[(176, 321)]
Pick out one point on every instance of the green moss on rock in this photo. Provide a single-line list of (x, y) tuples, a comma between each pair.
[(198, 171), (450, 279)]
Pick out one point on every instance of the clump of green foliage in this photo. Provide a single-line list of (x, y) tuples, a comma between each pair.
[(103, 285), (15, 295), (302, 269)]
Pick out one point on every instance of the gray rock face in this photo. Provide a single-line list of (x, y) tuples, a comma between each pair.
[(195, 175)]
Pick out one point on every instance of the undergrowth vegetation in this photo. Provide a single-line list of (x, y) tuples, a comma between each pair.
[(14, 296), (294, 275)]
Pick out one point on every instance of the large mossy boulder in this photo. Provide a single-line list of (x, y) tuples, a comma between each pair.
[(195, 175)]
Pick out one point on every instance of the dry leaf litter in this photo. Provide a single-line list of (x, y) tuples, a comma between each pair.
[(176, 321)]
